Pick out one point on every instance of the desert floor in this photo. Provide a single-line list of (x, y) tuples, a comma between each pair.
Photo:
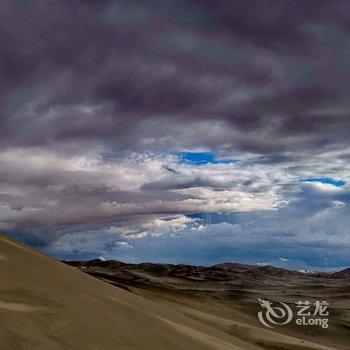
[(46, 304)]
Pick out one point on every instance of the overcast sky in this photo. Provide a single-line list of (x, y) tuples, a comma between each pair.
[(177, 131)]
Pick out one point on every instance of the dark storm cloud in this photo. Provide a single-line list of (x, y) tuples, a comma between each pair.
[(97, 98), (256, 65)]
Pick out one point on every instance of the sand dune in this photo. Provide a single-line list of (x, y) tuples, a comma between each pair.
[(45, 304)]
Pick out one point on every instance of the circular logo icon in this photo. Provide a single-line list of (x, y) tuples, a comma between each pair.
[(274, 313)]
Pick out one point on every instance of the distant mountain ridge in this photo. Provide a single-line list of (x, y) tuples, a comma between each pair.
[(219, 272), (342, 274)]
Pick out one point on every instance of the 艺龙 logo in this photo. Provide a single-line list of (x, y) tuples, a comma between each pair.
[(274, 315), (308, 313)]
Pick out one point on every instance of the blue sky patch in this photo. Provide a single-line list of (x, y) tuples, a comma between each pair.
[(202, 158), (326, 180)]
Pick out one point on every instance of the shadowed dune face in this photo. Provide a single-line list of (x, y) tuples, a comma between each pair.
[(45, 304)]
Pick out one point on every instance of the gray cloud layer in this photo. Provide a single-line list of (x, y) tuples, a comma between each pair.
[(98, 96), (99, 71)]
